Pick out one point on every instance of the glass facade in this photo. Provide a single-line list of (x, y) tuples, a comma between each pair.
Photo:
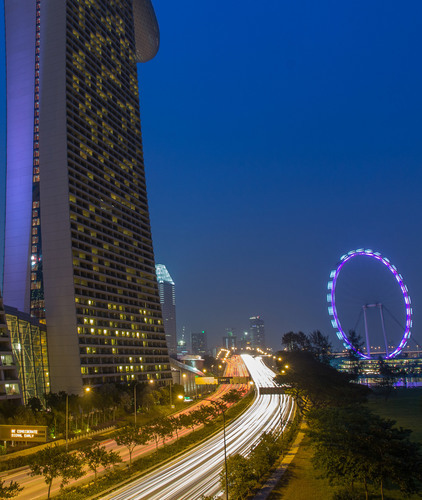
[(9, 380), (29, 344)]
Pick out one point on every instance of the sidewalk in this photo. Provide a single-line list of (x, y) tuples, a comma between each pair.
[(281, 467)]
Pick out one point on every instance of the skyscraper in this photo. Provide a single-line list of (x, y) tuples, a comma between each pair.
[(230, 339), (167, 293), (78, 252), (257, 332), (199, 343)]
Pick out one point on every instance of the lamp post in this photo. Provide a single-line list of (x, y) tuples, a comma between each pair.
[(222, 409), (87, 389), (281, 415), (67, 420), (225, 454), (134, 400)]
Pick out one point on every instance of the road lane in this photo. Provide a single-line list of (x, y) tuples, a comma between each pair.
[(197, 473)]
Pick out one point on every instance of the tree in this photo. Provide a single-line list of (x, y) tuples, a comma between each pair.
[(241, 477), (296, 341), (320, 346), (233, 396), (315, 384), (160, 428), (352, 444), (176, 425), (35, 404), (187, 420), (11, 490), (130, 437), (203, 414), (355, 360), (97, 456), (264, 454), (52, 462)]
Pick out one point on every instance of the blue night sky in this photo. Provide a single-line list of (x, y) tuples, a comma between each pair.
[(277, 137)]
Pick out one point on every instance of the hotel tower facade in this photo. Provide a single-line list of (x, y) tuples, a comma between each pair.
[(78, 247)]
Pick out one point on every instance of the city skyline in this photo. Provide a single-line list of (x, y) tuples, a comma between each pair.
[(286, 136)]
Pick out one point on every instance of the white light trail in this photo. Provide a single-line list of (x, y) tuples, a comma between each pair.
[(197, 472)]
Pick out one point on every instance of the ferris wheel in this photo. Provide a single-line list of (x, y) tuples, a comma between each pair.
[(365, 308)]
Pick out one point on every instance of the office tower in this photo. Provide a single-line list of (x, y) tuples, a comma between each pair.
[(78, 251), (257, 332), (167, 293), (199, 343), (230, 339), (182, 347), (245, 341)]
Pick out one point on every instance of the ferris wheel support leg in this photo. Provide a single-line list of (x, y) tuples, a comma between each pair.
[(368, 346), (383, 330)]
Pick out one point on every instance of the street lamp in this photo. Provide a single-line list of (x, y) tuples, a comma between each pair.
[(67, 420), (134, 399), (86, 389), (171, 398), (222, 409)]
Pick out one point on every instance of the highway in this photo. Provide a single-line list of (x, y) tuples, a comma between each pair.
[(235, 367), (197, 472), (35, 487)]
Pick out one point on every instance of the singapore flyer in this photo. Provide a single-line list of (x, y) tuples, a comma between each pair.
[(367, 296)]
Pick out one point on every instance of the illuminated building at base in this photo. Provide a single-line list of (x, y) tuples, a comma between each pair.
[(29, 343), (9, 380), (78, 248)]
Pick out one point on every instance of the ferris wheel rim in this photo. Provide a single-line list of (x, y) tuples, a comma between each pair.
[(332, 309)]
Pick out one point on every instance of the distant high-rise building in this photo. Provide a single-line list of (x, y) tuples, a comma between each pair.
[(167, 293), (182, 348), (199, 343), (257, 332), (230, 339), (245, 341), (78, 247)]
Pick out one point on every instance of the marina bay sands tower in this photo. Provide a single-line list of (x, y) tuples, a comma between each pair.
[(78, 247)]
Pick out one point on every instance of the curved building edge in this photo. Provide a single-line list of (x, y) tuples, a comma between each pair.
[(147, 33)]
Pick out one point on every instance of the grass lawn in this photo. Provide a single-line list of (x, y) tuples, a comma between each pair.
[(404, 406), (301, 482)]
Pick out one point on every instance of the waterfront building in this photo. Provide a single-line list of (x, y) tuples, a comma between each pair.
[(78, 247), (166, 289)]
